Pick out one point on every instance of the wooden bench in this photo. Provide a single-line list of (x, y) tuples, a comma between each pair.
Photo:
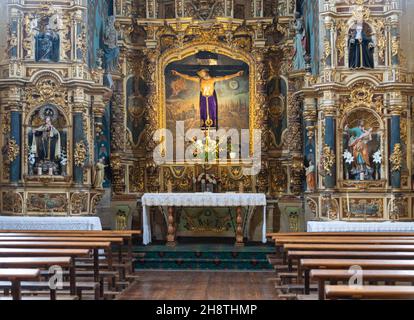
[(43, 262), (44, 285), (369, 292), (322, 276), (297, 255), (308, 264), (125, 235), (337, 234), (16, 276), (95, 246)]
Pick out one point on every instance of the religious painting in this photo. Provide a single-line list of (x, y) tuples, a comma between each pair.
[(362, 146), (207, 91), (47, 142), (362, 208)]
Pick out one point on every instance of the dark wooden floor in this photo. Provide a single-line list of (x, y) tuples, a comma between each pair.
[(193, 285)]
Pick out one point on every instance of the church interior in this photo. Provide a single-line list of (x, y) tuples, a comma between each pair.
[(206, 149)]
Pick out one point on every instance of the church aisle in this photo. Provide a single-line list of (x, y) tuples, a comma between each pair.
[(201, 285)]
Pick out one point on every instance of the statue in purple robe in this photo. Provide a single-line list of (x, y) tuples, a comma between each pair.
[(208, 96)]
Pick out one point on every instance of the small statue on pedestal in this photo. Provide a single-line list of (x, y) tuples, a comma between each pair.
[(99, 174)]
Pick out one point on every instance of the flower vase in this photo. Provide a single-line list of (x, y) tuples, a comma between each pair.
[(210, 187), (347, 173)]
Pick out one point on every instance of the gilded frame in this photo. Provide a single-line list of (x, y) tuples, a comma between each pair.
[(192, 48)]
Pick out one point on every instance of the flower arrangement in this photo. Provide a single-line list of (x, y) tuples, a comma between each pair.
[(377, 157), (32, 158), (349, 158), (63, 158)]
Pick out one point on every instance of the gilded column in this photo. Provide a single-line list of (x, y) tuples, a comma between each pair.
[(14, 144), (80, 152), (396, 157), (309, 116), (328, 149)]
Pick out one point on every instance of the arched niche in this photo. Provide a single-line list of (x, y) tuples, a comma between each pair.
[(47, 141), (362, 145)]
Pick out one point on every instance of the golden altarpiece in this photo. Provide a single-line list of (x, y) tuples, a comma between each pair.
[(325, 82), (51, 104)]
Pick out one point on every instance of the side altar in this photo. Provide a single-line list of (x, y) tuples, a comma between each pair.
[(245, 203)]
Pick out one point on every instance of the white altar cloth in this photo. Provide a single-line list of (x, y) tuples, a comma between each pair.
[(50, 223), (204, 199), (345, 226)]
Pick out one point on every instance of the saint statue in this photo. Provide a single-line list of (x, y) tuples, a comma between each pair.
[(361, 49), (300, 43), (310, 177), (47, 45), (358, 139), (208, 96), (99, 174), (46, 145), (111, 50)]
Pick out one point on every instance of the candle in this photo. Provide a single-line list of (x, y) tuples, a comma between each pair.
[(347, 200)]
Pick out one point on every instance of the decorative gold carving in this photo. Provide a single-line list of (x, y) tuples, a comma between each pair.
[(396, 158), (80, 154), (46, 90), (136, 179), (327, 160), (79, 202), (94, 202), (13, 150), (12, 202)]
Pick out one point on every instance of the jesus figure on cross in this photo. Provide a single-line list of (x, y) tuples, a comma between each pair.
[(208, 96)]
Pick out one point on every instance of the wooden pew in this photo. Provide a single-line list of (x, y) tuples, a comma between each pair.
[(43, 262), (339, 234), (126, 235), (16, 276), (297, 255), (308, 264), (369, 292), (95, 246), (346, 241), (322, 276)]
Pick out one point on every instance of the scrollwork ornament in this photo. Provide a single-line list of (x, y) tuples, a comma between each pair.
[(396, 158), (80, 154), (327, 160), (13, 150)]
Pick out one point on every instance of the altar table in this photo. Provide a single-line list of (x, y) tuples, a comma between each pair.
[(196, 200), (345, 226), (50, 223)]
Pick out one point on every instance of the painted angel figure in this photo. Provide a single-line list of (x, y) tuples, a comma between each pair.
[(208, 96)]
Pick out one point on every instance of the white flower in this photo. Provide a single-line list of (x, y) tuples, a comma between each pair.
[(348, 157), (377, 157), (32, 159)]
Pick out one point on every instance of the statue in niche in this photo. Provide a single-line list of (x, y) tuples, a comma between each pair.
[(299, 43), (361, 49), (111, 50), (47, 44), (99, 174), (208, 96), (45, 150)]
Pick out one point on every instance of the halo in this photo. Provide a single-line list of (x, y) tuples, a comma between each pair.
[(48, 111)]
